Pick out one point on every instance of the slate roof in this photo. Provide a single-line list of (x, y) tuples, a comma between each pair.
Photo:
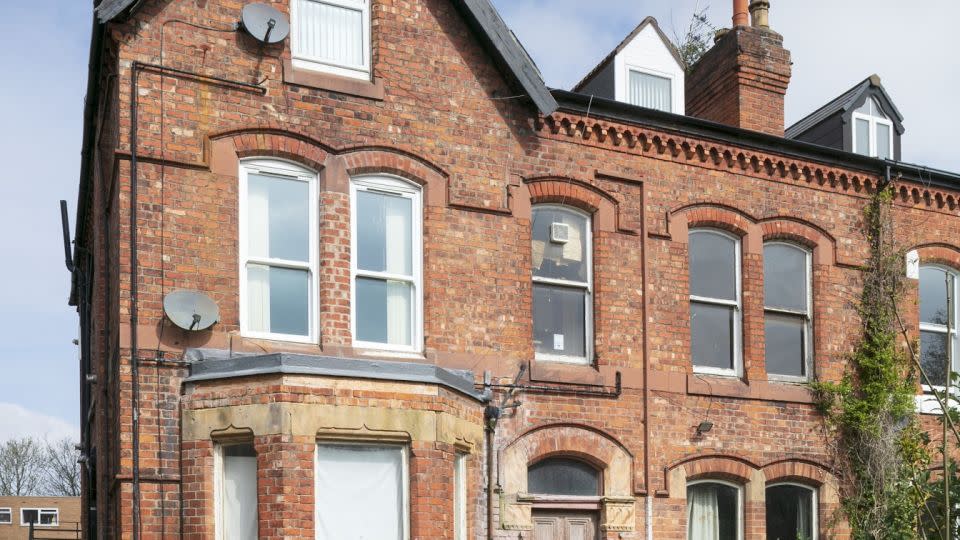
[(483, 18), (626, 41), (843, 103)]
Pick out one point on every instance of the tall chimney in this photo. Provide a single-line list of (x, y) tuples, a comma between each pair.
[(740, 13), (743, 79)]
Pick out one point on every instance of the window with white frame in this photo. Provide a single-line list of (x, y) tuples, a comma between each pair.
[(872, 131), (278, 251), (715, 302), (791, 512), (714, 511), (6, 516), (235, 484), (331, 36), (787, 310), (40, 517), (650, 90), (460, 496), (938, 321), (350, 474), (386, 263), (562, 284)]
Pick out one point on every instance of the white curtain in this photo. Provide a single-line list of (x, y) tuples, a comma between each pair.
[(258, 245), (703, 515), (398, 257), (359, 492), (239, 498), (650, 91), (804, 502), (329, 32)]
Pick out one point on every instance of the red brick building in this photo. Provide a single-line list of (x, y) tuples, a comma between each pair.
[(397, 220)]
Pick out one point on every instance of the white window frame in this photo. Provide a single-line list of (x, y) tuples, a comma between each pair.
[(355, 71), (40, 512), (814, 503), (740, 512), (586, 286), (218, 485), (9, 512), (629, 68), (808, 316), (391, 185), (737, 370), (404, 475), (460, 496), (872, 130), (952, 339), (288, 171)]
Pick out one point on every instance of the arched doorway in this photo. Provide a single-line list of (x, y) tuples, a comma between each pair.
[(566, 499)]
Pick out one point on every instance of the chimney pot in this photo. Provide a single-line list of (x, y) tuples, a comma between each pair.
[(740, 17), (760, 13)]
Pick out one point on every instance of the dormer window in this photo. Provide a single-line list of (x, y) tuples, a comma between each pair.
[(872, 131), (649, 90), (644, 70)]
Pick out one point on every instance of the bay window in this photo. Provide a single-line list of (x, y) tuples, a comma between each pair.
[(787, 310), (331, 36), (278, 251), (562, 284), (361, 492), (386, 264), (715, 306), (235, 499)]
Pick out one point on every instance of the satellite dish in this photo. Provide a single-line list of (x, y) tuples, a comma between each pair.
[(265, 23), (191, 310)]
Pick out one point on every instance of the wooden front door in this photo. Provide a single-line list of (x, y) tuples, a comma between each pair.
[(564, 526)]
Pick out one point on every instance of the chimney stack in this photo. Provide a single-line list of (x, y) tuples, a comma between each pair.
[(743, 79)]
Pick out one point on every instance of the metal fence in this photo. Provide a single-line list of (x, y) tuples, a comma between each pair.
[(64, 530)]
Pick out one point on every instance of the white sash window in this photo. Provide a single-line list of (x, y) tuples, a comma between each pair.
[(386, 262), (278, 251)]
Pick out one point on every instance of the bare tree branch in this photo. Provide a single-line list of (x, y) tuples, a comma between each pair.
[(62, 472), (21, 467)]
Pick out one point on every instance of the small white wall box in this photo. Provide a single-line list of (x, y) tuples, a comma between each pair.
[(913, 264), (559, 233)]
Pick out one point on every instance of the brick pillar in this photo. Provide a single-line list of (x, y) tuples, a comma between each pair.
[(742, 81)]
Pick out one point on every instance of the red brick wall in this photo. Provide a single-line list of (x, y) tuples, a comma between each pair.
[(482, 163)]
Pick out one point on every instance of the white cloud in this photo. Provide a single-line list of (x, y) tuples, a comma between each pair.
[(17, 421)]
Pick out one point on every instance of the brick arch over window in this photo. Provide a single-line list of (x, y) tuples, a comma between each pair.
[(383, 160), (939, 253), (228, 147), (800, 232), (720, 467), (604, 208), (594, 446), (799, 471), (716, 216)]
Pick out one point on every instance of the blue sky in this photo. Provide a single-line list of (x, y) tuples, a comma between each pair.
[(834, 45)]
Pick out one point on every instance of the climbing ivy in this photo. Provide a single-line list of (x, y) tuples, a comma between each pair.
[(871, 414)]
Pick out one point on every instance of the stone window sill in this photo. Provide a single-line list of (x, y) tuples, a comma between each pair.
[(325, 81), (718, 386)]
